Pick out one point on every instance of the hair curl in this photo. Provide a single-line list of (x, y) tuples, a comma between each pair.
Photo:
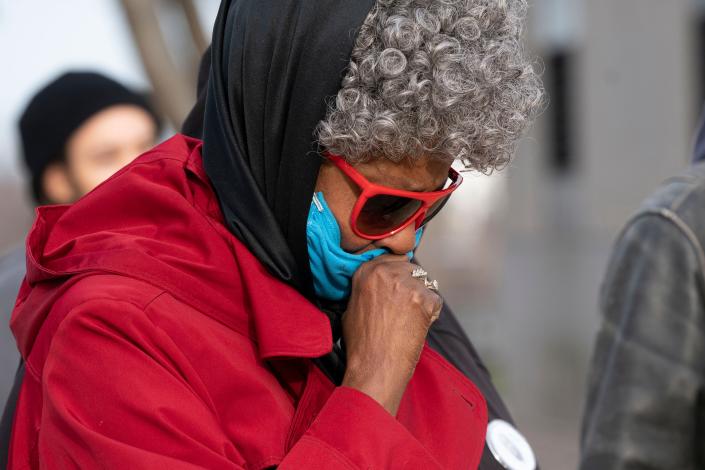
[(442, 78)]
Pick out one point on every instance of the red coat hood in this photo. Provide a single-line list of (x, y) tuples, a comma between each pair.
[(158, 220)]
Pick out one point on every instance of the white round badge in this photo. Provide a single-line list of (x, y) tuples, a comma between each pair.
[(509, 447)]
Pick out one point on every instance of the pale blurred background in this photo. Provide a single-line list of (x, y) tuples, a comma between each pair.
[(520, 254)]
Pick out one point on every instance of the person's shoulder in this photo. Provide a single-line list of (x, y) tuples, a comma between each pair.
[(179, 149), (674, 211), (681, 200), (87, 306), (108, 290), (170, 171), (679, 193)]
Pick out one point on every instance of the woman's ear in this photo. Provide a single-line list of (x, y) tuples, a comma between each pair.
[(56, 184)]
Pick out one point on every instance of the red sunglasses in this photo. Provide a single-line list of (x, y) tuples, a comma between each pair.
[(381, 212)]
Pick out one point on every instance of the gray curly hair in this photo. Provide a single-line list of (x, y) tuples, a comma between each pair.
[(442, 78)]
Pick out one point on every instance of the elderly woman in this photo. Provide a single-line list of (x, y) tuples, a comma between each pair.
[(196, 311)]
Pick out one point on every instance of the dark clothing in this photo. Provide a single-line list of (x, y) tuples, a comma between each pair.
[(8, 415), (12, 269), (699, 154), (153, 338), (646, 396)]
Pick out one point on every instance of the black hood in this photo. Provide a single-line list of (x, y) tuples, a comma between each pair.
[(273, 67)]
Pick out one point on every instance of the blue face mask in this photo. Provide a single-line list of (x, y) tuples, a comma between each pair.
[(331, 266)]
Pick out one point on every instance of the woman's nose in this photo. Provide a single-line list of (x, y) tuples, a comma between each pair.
[(401, 242)]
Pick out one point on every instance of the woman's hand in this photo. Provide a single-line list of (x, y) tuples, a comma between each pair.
[(385, 327)]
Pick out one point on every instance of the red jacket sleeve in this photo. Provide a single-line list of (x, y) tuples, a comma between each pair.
[(354, 431), (115, 397)]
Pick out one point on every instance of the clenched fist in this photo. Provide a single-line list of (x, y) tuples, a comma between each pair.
[(385, 326)]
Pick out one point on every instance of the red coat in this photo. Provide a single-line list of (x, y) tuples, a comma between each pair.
[(154, 339)]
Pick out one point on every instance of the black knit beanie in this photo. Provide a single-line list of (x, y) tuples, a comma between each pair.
[(60, 108)]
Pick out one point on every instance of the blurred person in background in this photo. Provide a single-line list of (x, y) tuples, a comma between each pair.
[(76, 131), (646, 394), (80, 129), (248, 301)]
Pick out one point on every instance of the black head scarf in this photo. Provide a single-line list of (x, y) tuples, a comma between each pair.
[(274, 65)]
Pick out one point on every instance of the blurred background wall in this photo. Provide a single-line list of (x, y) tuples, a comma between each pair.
[(519, 254)]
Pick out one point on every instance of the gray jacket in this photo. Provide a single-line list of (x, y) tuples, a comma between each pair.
[(12, 269), (646, 392)]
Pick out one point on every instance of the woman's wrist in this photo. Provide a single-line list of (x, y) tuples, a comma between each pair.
[(386, 389)]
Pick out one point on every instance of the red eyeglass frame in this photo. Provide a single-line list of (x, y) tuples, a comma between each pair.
[(369, 189)]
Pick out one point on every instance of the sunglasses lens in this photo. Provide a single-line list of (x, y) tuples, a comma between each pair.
[(383, 213), (434, 209)]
